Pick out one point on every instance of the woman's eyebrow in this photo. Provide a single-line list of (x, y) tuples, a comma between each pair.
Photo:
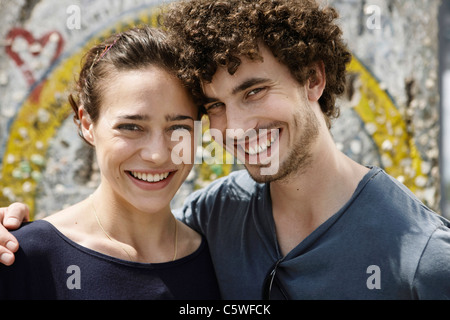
[(178, 117), (134, 117), (143, 117)]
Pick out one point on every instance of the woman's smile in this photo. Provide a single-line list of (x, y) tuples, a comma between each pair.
[(149, 181), (149, 177), (134, 137)]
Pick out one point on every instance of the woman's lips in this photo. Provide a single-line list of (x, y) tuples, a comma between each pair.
[(151, 181)]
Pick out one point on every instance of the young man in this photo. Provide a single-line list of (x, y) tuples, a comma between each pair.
[(321, 226)]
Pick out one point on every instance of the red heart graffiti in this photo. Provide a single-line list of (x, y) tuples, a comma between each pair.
[(19, 32)]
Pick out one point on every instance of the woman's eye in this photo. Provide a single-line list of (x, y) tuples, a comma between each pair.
[(128, 127), (181, 127)]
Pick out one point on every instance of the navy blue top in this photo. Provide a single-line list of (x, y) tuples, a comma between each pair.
[(51, 266)]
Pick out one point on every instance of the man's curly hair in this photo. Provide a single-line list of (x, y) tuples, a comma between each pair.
[(215, 33)]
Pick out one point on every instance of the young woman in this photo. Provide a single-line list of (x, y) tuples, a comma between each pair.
[(123, 241)]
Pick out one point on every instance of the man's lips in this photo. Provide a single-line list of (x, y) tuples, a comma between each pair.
[(261, 143), (257, 144)]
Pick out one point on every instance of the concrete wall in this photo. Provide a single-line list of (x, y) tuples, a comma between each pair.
[(389, 116), (444, 68)]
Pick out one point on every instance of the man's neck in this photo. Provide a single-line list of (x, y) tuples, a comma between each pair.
[(302, 203)]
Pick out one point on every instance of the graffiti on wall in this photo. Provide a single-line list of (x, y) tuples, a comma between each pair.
[(44, 164)]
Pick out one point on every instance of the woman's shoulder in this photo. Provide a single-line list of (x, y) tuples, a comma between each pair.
[(33, 229), (189, 241), (44, 233), (72, 223), (36, 235)]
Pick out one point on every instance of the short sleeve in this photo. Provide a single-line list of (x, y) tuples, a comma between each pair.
[(432, 278)]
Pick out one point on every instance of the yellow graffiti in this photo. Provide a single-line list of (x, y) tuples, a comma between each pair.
[(37, 123), (388, 129)]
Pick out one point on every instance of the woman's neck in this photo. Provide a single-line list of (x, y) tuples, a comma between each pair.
[(149, 235), (106, 223)]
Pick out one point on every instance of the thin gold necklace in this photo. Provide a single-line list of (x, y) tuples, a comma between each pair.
[(121, 246)]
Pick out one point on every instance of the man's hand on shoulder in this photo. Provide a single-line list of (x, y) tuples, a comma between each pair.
[(10, 219)]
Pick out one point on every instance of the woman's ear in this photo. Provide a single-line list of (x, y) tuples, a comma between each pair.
[(316, 81), (86, 125)]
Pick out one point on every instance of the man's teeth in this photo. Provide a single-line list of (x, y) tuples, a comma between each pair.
[(258, 148), (149, 177)]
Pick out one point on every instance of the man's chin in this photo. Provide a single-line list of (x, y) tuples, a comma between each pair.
[(263, 174)]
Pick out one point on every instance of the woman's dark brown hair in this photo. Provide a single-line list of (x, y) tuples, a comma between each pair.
[(215, 33), (130, 50)]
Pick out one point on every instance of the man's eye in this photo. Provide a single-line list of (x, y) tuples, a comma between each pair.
[(214, 107), (254, 92)]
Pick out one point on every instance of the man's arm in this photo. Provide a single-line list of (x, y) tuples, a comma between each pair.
[(432, 278), (11, 218)]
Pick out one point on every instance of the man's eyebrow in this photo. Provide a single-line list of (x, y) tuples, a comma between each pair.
[(209, 100), (247, 84), (178, 117), (243, 86)]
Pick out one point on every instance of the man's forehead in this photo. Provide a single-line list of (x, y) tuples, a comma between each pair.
[(248, 73)]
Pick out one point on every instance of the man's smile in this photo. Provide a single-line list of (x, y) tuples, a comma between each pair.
[(262, 142)]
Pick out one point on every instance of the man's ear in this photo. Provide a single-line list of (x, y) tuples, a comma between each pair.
[(316, 81), (87, 126)]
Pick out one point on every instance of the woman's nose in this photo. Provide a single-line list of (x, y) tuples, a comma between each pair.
[(155, 149)]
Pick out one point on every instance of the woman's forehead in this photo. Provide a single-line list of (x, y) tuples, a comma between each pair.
[(146, 91)]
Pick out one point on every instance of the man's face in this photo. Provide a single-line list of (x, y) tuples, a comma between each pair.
[(263, 95)]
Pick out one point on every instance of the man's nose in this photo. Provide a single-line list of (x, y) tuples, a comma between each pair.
[(238, 122)]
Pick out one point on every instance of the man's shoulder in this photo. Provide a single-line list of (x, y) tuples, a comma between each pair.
[(236, 184), (390, 203), (222, 195)]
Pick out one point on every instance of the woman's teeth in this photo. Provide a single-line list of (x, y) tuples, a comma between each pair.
[(149, 177)]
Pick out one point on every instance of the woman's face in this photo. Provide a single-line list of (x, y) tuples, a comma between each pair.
[(142, 115)]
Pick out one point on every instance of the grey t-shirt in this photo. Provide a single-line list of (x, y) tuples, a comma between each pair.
[(383, 244)]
